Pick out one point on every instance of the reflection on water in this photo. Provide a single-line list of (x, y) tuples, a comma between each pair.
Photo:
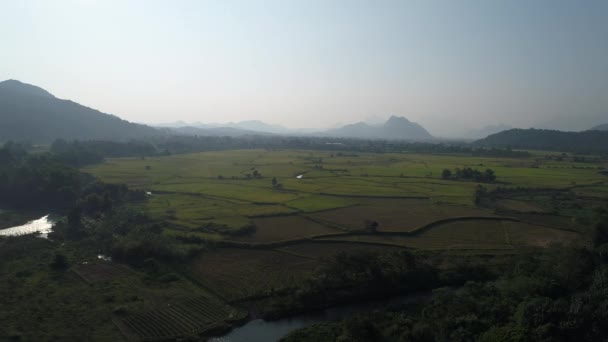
[(42, 226), (104, 257), (263, 331)]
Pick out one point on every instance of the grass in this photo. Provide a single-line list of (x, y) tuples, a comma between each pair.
[(337, 191), (314, 203)]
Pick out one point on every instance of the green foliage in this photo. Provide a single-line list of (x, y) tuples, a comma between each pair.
[(600, 228), (365, 274), (559, 295), (80, 153), (469, 174), (59, 262)]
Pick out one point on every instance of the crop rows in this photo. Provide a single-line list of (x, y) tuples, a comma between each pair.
[(93, 273), (237, 274), (182, 319)]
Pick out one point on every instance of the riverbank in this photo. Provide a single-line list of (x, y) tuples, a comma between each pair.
[(275, 327), (12, 218)]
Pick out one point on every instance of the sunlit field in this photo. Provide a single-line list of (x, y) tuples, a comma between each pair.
[(323, 192)]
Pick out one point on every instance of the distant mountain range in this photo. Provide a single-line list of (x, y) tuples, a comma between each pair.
[(549, 140), (245, 126), (211, 131), (31, 113), (395, 128)]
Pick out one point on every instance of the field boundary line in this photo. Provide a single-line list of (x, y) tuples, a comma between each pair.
[(374, 196)]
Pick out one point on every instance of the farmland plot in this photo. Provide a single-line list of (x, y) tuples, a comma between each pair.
[(237, 274), (182, 319)]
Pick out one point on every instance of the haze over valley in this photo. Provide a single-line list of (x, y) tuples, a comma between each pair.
[(320, 170)]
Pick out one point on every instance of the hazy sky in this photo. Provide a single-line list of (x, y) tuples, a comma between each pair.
[(449, 65)]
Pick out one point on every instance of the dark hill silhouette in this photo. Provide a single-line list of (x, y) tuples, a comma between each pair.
[(483, 132), (603, 127), (395, 128), (544, 139), (30, 113)]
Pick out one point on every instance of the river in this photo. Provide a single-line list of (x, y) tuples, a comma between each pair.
[(42, 226), (266, 331)]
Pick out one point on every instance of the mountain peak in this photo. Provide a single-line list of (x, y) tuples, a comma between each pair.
[(395, 128), (24, 88), (396, 120)]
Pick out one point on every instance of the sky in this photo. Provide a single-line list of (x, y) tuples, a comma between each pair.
[(449, 65)]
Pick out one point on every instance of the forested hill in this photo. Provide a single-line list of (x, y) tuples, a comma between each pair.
[(542, 139), (33, 114), (603, 127)]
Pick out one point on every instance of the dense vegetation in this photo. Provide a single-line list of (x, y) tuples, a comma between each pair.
[(559, 295), (80, 153), (93, 151), (31, 181), (471, 174)]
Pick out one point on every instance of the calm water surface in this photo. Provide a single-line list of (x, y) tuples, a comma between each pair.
[(267, 331)]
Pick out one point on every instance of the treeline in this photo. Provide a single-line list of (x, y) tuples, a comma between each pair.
[(468, 173), (181, 144), (43, 181), (79, 153), (37, 181)]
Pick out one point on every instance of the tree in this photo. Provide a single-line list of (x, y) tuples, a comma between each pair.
[(480, 191), (59, 262), (600, 228), (371, 226), (274, 182), (74, 228), (489, 175), (446, 174)]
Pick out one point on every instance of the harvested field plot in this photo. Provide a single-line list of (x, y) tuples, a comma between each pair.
[(523, 206), (240, 273), (396, 214), (551, 221), (100, 272), (183, 319), (325, 250), (283, 228), (478, 235)]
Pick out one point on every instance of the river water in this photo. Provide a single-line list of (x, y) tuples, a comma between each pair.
[(42, 226), (267, 331)]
